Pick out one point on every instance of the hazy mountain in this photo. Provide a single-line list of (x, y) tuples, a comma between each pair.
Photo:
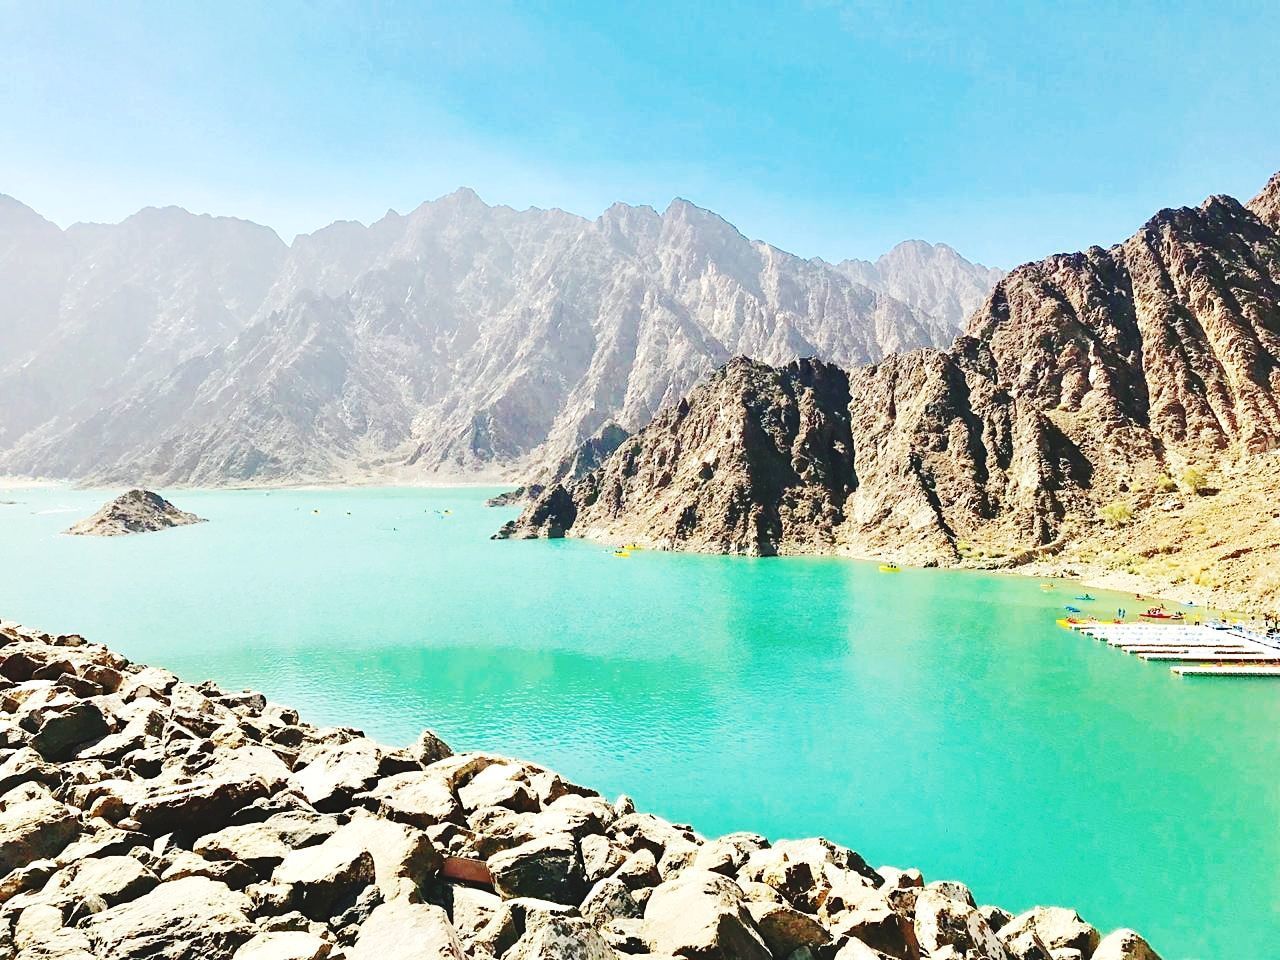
[(931, 277), (93, 313), (454, 338), (1084, 381)]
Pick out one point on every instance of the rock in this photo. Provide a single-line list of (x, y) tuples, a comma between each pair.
[(404, 858), (1025, 945), (954, 890), (609, 900), (511, 920), (1057, 927), (878, 925), (546, 868), (638, 871), (34, 830), (552, 937), (190, 919), (114, 878), (812, 875), (785, 929), (729, 853), (284, 945), (470, 910), (499, 785), (31, 877), (263, 845), (996, 917), (600, 857), (326, 878), (407, 931), (420, 798), (331, 779), (700, 915), (25, 765), (138, 511), (232, 780), (62, 733), (39, 934), (942, 921), (1124, 945), (233, 873)]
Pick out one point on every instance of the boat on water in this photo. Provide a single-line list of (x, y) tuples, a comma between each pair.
[(1160, 613), (1070, 609), (889, 568), (1046, 586), (1086, 596)]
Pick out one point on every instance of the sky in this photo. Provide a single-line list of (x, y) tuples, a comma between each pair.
[(832, 129)]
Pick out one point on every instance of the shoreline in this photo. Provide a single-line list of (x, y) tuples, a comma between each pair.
[(140, 810)]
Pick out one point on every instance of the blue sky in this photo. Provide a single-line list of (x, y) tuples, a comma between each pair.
[(831, 129)]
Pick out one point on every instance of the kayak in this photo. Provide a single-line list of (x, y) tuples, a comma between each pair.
[(1086, 596), (889, 568)]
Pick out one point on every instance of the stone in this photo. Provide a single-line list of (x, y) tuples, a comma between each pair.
[(61, 734), (1026, 945), (263, 845), (511, 920), (190, 919), (404, 858), (1124, 944), (1057, 928), (30, 877), (877, 924), (499, 785), (285, 945), (552, 937), (729, 853), (600, 857), (816, 876), (34, 830), (25, 765), (954, 890), (114, 878), (609, 900), (996, 917), (700, 915), (943, 921), (546, 868), (184, 863), (331, 779), (233, 779), (400, 930), (785, 929), (639, 870), (325, 878), (420, 798), (40, 935), (470, 910)]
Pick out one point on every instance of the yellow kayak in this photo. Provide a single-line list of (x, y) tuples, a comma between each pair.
[(889, 568)]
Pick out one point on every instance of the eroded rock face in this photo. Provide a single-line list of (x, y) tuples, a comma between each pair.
[(138, 511), (214, 849), (1082, 380)]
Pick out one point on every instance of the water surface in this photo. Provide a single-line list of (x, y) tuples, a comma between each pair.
[(925, 718)]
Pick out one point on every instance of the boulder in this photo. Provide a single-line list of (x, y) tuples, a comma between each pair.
[(31, 877), (729, 853), (61, 734), (284, 945), (553, 937), (190, 919), (785, 929), (1124, 945), (331, 779), (40, 935), (499, 785), (609, 900), (115, 879), (34, 830), (420, 798), (404, 858), (511, 920), (701, 915), (233, 779), (470, 910), (325, 878), (806, 872), (546, 868), (263, 845), (875, 923), (943, 921), (184, 863), (25, 765), (1058, 928), (600, 857), (401, 930)]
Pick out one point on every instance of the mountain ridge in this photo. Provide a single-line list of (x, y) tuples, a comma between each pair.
[(474, 340)]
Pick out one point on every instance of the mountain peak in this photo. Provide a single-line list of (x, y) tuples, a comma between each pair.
[(1266, 205)]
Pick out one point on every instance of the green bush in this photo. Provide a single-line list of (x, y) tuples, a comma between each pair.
[(1165, 484), (1117, 513), (1194, 481)]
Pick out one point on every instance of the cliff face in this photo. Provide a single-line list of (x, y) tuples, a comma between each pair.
[(1084, 380), (457, 338)]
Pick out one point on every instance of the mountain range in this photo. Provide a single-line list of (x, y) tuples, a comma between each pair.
[(1114, 411), (461, 338)]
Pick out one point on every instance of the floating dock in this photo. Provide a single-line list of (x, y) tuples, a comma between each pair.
[(1193, 650)]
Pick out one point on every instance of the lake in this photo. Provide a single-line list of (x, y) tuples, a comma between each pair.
[(925, 718)]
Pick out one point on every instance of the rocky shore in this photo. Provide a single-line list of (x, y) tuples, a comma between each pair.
[(145, 817), (137, 511)]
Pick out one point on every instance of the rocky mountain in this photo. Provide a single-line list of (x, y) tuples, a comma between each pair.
[(136, 511), (1085, 390), (931, 277), (458, 338), (96, 312)]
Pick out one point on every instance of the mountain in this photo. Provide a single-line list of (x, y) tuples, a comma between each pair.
[(1096, 401), (931, 277), (97, 311), (457, 338)]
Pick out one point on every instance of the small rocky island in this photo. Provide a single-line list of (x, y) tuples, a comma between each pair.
[(138, 511), (145, 817)]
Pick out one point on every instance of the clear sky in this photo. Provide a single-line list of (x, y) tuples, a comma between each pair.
[(831, 129)]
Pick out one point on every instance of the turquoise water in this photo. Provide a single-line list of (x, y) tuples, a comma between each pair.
[(925, 718)]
